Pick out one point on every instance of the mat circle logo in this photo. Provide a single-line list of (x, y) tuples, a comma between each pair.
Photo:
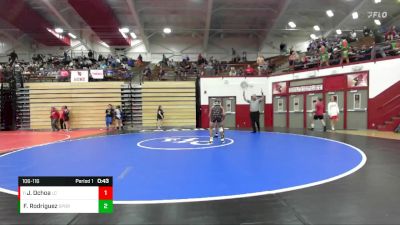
[(182, 143)]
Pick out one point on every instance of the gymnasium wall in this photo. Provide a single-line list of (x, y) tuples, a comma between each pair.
[(86, 101), (178, 100), (382, 75)]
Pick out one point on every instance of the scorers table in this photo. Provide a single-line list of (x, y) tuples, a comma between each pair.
[(65, 194)]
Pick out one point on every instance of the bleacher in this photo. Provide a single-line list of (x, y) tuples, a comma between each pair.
[(177, 98), (86, 101)]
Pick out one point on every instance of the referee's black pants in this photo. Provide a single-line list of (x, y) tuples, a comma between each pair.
[(255, 120)]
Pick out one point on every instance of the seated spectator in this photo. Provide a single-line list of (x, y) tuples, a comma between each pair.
[(353, 36), (260, 60), (232, 71), (64, 75), (139, 61), (292, 58), (249, 70), (200, 60), (147, 73), (161, 73), (366, 31), (244, 56), (391, 34)]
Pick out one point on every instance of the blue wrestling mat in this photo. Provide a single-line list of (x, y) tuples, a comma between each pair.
[(182, 166)]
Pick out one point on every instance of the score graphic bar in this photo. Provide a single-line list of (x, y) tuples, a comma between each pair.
[(65, 194)]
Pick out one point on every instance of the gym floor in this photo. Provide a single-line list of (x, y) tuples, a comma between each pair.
[(367, 195)]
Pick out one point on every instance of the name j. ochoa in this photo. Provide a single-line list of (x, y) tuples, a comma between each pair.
[(39, 192)]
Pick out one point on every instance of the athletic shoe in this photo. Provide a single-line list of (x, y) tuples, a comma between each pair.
[(216, 135), (253, 132), (211, 140), (324, 128), (222, 140), (311, 129)]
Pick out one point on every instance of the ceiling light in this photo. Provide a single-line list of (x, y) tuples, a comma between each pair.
[(104, 44), (313, 36), (377, 22), (317, 28), (355, 15), (377, 1), (72, 35), (167, 30), (330, 13), (292, 24), (339, 31), (59, 30), (133, 35), (124, 30)]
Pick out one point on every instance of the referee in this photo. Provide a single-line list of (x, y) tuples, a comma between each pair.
[(254, 110)]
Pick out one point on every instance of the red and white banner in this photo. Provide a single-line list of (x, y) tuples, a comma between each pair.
[(308, 88), (79, 76), (357, 80), (97, 74), (279, 88)]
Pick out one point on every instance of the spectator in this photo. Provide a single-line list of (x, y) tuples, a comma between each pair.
[(54, 116), (378, 39), (345, 52), (366, 31), (353, 36), (146, 73), (324, 56), (232, 71), (233, 55), (62, 117), (139, 61), (161, 73), (66, 119), (244, 56), (164, 60), (292, 59), (200, 60), (12, 57), (118, 118), (391, 34), (260, 60), (282, 48), (90, 54), (109, 116), (249, 70)]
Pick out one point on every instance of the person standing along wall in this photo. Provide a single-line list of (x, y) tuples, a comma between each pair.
[(54, 116), (254, 110), (333, 112), (118, 118), (66, 119), (109, 116), (319, 114)]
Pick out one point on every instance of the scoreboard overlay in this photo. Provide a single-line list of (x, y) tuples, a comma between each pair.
[(65, 194)]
